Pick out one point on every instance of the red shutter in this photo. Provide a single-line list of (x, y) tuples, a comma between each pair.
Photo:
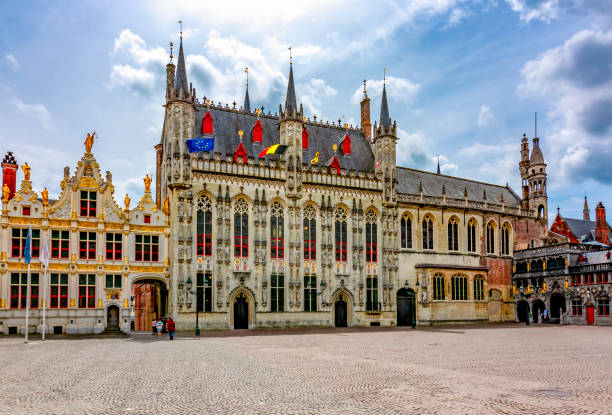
[(240, 153), (207, 124), (257, 132), (346, 144), (304, 139)]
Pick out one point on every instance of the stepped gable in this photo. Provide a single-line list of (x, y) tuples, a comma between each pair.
[(227, 122), (409, 179)]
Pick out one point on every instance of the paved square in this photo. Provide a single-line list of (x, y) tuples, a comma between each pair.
[(452, 370)]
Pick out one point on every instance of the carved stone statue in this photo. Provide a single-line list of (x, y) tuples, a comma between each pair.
[(166, 206), (5, 193), (45, 196), (89, 142), (26, 171), (147, 183), (127, 202)]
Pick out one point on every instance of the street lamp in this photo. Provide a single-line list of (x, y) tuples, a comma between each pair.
[(189, 284)]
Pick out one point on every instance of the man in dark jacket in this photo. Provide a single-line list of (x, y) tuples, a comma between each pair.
[(170, 326)]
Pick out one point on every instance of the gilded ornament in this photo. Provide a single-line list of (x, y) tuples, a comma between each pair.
[(88, 182), (166, 206), (45, 196), (126, 201), (147, 183), (89, 142), (26, 171), (5, 193)]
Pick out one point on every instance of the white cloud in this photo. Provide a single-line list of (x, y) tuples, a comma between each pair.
[(37, 110), (486, 117), (412, 150), (135, 48), (545, 10), (493, 163), (140, 81), (313, 94), (12, 62), (457, 15), (398, 89), (446, 167)]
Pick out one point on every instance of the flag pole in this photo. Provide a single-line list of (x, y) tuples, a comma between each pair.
[(27, 253), (44, 301), (27, 305)]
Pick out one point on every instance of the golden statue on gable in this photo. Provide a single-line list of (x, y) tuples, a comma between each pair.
[(166, 206), (26, 171), (89, 142), (127, 202), (5, 193), (45, 196), (147, 183)]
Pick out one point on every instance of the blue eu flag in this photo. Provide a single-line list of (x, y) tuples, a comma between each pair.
[(27, 252), (201, 144)]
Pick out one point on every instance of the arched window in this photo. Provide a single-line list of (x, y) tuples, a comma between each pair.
[(453, 236), (310, 233), (478, 288), (346, 145), (459, 283), (207, 123), (371, 237), (341, 234), (439, 287), (406, 231), (490, 238), (471, 236), (304, 139), (257, 132), (204, 226), (277, 232), (241, 228), (505, 239), (427, 232)]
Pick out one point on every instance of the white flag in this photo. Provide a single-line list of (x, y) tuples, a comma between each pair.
[(44, 253)]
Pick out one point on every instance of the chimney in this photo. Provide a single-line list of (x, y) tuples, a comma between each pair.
[(366, 127), (601, 227), (9, 173)]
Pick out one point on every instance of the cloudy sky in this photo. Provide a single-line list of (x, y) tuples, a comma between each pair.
[(464, 79)]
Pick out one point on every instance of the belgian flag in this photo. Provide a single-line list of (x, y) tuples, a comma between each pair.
[(275, 149)]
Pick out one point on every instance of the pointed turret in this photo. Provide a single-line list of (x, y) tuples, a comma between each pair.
[(247, 101), (290, 101), (181, 73), (385, 120), (585, 212)]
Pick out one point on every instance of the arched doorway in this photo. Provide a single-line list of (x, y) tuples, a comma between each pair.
[(241, 312), (150, 302), (340, 311), (406, 313), (112, 317), (557, 306), (522, 310), (590, 313), (537, 308)]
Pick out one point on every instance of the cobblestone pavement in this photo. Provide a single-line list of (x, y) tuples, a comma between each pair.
[(451, 370)]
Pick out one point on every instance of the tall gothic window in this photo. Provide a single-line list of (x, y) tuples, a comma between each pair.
[(204, 226), (453, 236), (371, 237), (505, 239), (406, 231), (478, 288), (310, 293), (310, 233), (471, 235), (241, 228), (427, 232), (372, 294), (459, 283), (277, 233), (341, 234), (439, 287), (277, 295), (490, 238)]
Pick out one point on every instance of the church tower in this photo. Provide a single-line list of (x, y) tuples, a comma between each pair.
[(385, 140), (536, 177)]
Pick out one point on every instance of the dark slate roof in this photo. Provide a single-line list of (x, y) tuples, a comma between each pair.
[(584, 230), (321, 138), (385, 120), (536, 153), (181, 73), (290, 101), (409, 180)]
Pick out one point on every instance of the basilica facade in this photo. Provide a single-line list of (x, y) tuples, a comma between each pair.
[(330, 232)]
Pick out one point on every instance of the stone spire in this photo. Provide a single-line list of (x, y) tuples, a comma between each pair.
[(385, 120), (290, 101), (181, 73), (247, 102), (585, 211)]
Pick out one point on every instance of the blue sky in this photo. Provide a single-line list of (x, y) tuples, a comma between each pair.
[(464, 80)]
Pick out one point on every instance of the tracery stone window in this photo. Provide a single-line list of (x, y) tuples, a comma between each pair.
[(406, 231), (439, 287), (310, 233), (459, 288), (241, 228), (427, 232), (341, 234), (204, 232), (453, 235), (491, 238), (471, 236), (371, 237), (478, 288), (505, 239), (277, 233)]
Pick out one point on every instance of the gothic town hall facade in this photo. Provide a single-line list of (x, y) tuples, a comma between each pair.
[(333, 232)]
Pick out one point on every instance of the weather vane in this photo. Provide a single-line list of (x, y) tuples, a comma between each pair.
[(290, 57), (171, 56), (246, 70), (181, 23), (385, 76), (364, 87)]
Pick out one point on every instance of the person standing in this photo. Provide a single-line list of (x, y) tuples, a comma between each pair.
[(170, 326), (528, 321), (153, 327), (160, 326)]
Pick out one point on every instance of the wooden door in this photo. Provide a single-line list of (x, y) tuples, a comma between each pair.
[(590, 314)]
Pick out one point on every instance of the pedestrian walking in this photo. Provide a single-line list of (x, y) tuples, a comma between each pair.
[(545, 315), (153, 326), (528, 322), (160, 326), (170, 326)]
